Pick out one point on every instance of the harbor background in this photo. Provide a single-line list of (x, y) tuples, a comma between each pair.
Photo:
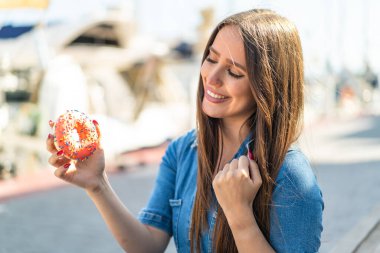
[(135, 64)]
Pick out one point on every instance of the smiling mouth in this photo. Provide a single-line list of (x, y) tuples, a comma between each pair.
[(213, 95)]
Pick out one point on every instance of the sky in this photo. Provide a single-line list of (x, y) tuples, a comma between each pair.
[(341, 32)]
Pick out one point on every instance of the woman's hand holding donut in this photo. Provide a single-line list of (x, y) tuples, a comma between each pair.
[(236, 186), (88, 174)]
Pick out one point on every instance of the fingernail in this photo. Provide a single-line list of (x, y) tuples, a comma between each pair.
[(250, 155), (59, 153), (66, 165), (95, 122), (50, 136)]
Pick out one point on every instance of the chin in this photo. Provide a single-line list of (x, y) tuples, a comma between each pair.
[(213, 114)]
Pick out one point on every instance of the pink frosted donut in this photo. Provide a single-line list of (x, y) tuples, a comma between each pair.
[(76, 135)]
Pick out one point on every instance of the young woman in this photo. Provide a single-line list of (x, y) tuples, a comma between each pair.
[(237, 183)]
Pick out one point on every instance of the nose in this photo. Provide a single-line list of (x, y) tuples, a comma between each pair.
[(214, 79), (212, 76)]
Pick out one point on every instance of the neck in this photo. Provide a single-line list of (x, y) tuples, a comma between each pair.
[(233, 134)]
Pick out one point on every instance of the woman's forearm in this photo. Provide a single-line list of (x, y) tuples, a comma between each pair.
[(132, 235), (247, 234)]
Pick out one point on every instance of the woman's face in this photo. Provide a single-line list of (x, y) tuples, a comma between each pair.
[(227, 93)]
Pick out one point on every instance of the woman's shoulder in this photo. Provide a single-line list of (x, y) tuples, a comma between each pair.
[(187, 141), (188, 138), (296, 165), (296, 174)]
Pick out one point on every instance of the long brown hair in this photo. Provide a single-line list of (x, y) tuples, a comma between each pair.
[(275, 69)]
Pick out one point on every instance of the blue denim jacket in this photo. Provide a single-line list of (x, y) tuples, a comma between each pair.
[(296, 212)]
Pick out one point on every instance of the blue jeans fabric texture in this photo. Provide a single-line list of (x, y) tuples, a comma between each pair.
[(296, 211)]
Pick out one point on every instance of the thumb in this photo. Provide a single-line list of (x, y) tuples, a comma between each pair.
[(254, 171), (96, 124)]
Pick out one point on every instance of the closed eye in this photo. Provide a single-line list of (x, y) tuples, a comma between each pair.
[(210, 60), (237, 76)]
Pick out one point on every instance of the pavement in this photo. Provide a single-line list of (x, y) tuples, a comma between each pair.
[(28, 183), (64, 219), (363, 237), (345, 153)]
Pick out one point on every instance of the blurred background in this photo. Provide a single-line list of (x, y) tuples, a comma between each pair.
[(133, 65)]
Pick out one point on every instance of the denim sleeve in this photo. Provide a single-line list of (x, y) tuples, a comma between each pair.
[(297, 206), (158, 212)]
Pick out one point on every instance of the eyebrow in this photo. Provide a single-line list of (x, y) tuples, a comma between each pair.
[(229, 60)]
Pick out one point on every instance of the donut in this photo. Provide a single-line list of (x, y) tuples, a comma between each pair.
[(75, 134)]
